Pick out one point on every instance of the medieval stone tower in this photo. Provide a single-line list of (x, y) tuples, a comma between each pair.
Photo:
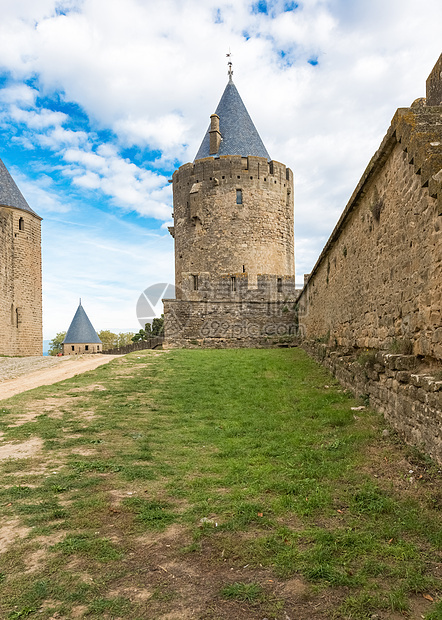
[(20, 272), (234, 239)]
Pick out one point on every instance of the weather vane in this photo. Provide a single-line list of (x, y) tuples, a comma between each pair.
[(229, 63)]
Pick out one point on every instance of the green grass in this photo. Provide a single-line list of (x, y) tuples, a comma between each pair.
[(246, 592), (211, 461)]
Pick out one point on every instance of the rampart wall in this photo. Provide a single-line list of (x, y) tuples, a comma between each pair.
[(20, 283), (378, 281), (377, 285)]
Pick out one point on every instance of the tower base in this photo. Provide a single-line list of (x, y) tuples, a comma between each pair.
[(228, 324)]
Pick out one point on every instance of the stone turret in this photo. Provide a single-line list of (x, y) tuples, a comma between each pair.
[(81, 336), (233, 231)]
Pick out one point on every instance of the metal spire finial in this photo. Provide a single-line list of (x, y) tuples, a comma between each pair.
[(229, 63)]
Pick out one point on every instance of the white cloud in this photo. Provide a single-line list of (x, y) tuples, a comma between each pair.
[(128, 185), (40, 194), (18, 94)]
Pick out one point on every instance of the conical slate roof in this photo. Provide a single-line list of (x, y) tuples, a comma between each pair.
[(10, 195), (239, 134), (81, 330)]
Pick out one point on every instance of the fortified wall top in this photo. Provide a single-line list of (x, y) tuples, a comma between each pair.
[(434, 84), (231, 131)]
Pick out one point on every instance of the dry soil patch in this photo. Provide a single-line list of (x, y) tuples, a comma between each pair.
[(9, 532), (22, 450)]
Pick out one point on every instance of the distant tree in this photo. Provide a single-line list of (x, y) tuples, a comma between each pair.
[(143, 334), (158, 326), (108, 338), (139, 336), (55, 344), (124, 338)]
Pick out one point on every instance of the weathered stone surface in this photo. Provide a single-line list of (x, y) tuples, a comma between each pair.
[(215, 236), (223, 323)]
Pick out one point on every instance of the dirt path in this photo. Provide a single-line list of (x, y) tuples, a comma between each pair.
[(41, 371)]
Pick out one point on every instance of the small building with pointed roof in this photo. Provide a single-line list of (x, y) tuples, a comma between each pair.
[(20, 272), (234, 237), (81, 336)]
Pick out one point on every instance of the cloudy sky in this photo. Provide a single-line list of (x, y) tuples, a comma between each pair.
[(101, 100)]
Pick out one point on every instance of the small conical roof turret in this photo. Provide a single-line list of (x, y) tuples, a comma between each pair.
[(10, 195), (81, 330), (239, 135)]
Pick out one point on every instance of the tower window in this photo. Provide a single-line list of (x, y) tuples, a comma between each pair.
[(233, 283), (72, 348), (86, 348), (239, 196), (243, 268), (279, 284), (195, 283), (21, 224)]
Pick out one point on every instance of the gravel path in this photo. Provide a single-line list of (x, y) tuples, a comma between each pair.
[(12, 367), (19, 374)]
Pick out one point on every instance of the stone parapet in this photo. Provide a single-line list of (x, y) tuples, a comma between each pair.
[(238, 287)]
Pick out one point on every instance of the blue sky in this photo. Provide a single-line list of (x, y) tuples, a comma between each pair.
[(101, 100)]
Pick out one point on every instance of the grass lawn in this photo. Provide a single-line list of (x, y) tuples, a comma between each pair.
[(216, 484)]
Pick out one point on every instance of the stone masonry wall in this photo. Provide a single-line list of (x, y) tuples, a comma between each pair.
[(215, 236), (409, 398), (378, 281), (221, 324), (20, 283)]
